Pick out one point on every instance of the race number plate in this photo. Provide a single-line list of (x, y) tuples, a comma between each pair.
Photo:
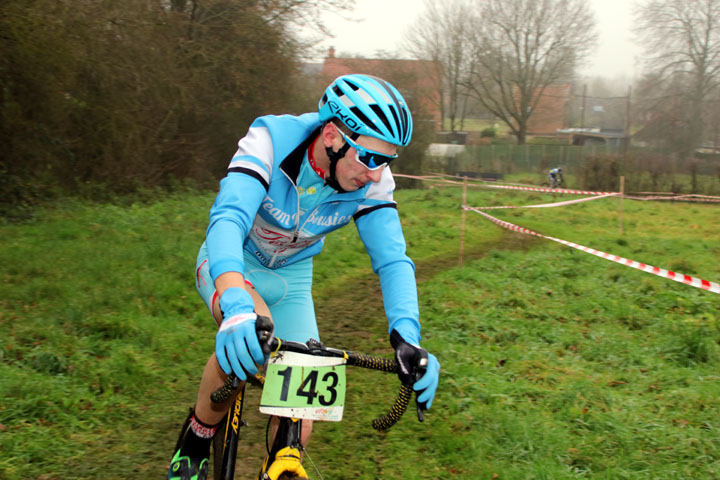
[(304, 386)]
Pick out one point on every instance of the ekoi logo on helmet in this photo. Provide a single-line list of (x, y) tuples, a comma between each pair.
[(344, 117)]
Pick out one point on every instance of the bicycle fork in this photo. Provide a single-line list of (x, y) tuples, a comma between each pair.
[(284, 456)]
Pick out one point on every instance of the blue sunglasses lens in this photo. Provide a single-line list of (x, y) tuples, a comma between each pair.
[(370, 159), (374, 160)]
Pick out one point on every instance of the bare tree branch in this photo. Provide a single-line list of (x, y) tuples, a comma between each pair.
[(682, 43), (441, 34), (520, 47)]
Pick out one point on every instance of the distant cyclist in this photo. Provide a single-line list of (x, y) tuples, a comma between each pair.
[(293, 180), (555, 177)]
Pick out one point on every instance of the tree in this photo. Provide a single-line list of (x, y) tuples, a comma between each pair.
[(520, 47), (442, 34), (662, 114), (137, 93), (682, 42)]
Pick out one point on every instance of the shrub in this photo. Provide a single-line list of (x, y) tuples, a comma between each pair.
[(488, 132), (601, 172)]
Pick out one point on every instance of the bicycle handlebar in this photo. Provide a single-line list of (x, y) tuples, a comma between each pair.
[(314, 347)]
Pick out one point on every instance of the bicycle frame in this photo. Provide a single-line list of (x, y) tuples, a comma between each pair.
[(225, 442)]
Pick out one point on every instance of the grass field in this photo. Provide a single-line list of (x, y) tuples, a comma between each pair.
[(556, 364)]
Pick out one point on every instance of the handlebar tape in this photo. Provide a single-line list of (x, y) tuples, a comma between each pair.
[(398, 409)]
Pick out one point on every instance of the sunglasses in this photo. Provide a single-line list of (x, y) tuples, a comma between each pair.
[(370, 158)]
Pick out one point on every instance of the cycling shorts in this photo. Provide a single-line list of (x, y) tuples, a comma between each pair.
[(287, 291)]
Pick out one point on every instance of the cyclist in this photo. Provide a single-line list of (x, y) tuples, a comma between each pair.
[(555, 177), (293, 180)]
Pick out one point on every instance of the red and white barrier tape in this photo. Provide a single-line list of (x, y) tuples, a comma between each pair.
[(419, 177), (445, 181), (546, 205), (552, 190), (507, 187), (678, 277), (679, 198), (672, 195)]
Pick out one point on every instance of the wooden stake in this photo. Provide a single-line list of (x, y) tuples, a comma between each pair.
[(622, 192), (462, 222)]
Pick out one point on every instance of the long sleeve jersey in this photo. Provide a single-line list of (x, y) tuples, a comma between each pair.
[(258, 209)]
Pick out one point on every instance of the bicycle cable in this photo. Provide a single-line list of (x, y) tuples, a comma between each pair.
[(305, 452)]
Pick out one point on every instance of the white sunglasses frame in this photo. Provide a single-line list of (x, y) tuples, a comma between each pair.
[(365, 151)]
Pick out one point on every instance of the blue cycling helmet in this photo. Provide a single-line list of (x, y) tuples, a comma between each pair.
[(369, 106)]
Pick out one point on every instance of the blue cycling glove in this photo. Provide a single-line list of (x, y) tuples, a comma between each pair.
[(428, 383), (408, 356), (236, 344)]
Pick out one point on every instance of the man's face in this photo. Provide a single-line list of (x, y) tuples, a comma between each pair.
[(352, 174)]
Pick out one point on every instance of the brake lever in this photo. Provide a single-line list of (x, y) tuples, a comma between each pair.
[(264, 330)]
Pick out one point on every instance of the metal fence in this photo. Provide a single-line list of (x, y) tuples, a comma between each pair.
[(508, 158), (588, 165)]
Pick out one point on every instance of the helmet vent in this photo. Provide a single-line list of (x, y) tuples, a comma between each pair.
[(337, 91), (364, 119), (405, 122), (352, 85), (379, 112)]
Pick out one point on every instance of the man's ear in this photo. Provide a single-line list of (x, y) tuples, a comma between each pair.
[(329, 134)]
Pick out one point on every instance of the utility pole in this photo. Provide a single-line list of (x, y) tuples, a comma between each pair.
[(582, 108), (627, 123)]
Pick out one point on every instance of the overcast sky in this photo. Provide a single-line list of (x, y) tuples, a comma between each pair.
[(382, 23)]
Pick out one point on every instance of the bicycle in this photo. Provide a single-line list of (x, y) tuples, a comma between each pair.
[(283, 458), (554, 183)]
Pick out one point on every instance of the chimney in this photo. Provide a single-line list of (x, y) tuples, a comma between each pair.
[(331, 53)]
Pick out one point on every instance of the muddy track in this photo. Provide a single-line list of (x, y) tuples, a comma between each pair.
[(351, 308)]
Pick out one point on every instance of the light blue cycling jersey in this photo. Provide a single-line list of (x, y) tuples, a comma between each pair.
[(272, 206)]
